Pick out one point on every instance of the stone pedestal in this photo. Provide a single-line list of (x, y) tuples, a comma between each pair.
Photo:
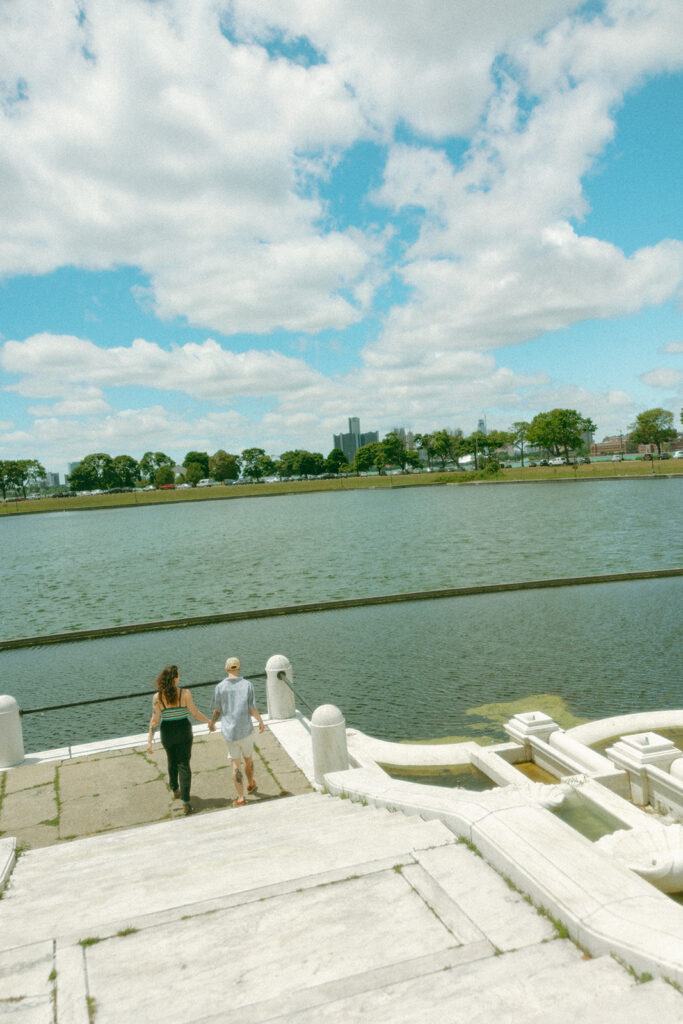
[(280, 695), (521, 728), (635, 753), (328, 736), (11, 734)]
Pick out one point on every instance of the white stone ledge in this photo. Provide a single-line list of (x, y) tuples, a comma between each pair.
[(604, 906)]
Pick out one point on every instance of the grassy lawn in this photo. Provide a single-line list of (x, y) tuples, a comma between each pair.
[(595, 470)]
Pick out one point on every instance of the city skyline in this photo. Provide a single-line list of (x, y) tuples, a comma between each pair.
[(223, 225)]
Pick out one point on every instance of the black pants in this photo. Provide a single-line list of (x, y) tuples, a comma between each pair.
[(176, 739)]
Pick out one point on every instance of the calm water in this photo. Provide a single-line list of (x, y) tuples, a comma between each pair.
[(418, 670)]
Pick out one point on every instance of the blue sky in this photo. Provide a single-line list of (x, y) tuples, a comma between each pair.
[(228, 224)]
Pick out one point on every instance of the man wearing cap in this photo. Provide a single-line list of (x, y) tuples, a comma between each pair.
[(234, 703)]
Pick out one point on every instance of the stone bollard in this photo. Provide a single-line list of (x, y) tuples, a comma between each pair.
[(280, 694), (328, 736), (11, 735)]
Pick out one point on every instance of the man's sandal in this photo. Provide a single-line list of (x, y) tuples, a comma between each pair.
[(240, 802), (252, 788)]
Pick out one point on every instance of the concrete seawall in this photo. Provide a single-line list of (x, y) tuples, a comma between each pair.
[(324, 606)]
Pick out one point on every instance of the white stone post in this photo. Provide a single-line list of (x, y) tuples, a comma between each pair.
[(11, 735), (328, 736), (279, 690)]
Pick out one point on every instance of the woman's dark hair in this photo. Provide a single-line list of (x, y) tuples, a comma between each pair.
[(166, 683)]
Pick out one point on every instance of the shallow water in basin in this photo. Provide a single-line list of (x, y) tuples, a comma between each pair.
[(583, 817), (451, 777)]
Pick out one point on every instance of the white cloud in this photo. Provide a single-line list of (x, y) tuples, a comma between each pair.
[(50, 365), (140, 135), (662, 377), (427, 63), (169, 148), (673, 348)]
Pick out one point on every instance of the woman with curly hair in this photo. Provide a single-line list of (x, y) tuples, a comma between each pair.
[(172, 707)]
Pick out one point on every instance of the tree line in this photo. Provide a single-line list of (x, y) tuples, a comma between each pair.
[(559, 432)]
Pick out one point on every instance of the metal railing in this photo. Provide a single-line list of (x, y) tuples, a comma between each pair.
[(145, 693)]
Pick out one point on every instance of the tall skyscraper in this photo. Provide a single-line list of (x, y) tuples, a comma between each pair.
[(351, 442)]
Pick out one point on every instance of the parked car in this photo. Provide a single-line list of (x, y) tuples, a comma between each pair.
[(678, 454), (167, 487), (532, 463), (205, 482), (543, 462), (617, 458), (557, 461), (665, 455)]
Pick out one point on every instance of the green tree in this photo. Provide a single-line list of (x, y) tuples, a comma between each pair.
[(520, 434), (446, 445), (559, 431), (6, 477), (21, 474), (425, 442), (224, 466), (653, 427), (94, 472), (394, 450), (365, 458), (83, 477), (493, 441), (124, 471), (336, 462), (256, 464), (310, 463), (202, 458), (151, 462), (194, 472), (164, 476)]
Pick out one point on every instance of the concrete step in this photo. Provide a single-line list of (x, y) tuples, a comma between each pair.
[(548, 983), (82, 885)]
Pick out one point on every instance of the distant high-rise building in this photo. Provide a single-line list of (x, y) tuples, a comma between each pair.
[(52, 479), (481, 427), (351, 442)]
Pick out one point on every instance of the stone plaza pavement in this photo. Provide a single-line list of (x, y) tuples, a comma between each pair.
[(302, 909)]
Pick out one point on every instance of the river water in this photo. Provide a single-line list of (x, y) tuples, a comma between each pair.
[(451, 667)]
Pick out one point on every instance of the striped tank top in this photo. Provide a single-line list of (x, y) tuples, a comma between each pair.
[(173, 714)]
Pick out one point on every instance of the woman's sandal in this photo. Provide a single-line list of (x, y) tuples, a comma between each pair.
[(252, 788), (240, 802), (187, 809)]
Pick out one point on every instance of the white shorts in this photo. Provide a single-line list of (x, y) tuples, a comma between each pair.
[(241, 748)]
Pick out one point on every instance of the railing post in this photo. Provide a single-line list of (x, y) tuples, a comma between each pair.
[(11, 735), (328, 736), (279, 692)]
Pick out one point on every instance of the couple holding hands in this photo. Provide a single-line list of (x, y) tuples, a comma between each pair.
[(233, 703)]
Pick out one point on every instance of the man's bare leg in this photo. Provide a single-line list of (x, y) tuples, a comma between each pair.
[(237, 777)]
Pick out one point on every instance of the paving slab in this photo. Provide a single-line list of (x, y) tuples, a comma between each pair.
[(315, 929), (118, 808), (501, 913), (26, 777), (27, 984), (104, 774), (28, 807)]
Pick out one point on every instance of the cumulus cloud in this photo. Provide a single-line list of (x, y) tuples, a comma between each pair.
[(662, 377), (140, 134), (194, 142), (673, 348), (50, 365)]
